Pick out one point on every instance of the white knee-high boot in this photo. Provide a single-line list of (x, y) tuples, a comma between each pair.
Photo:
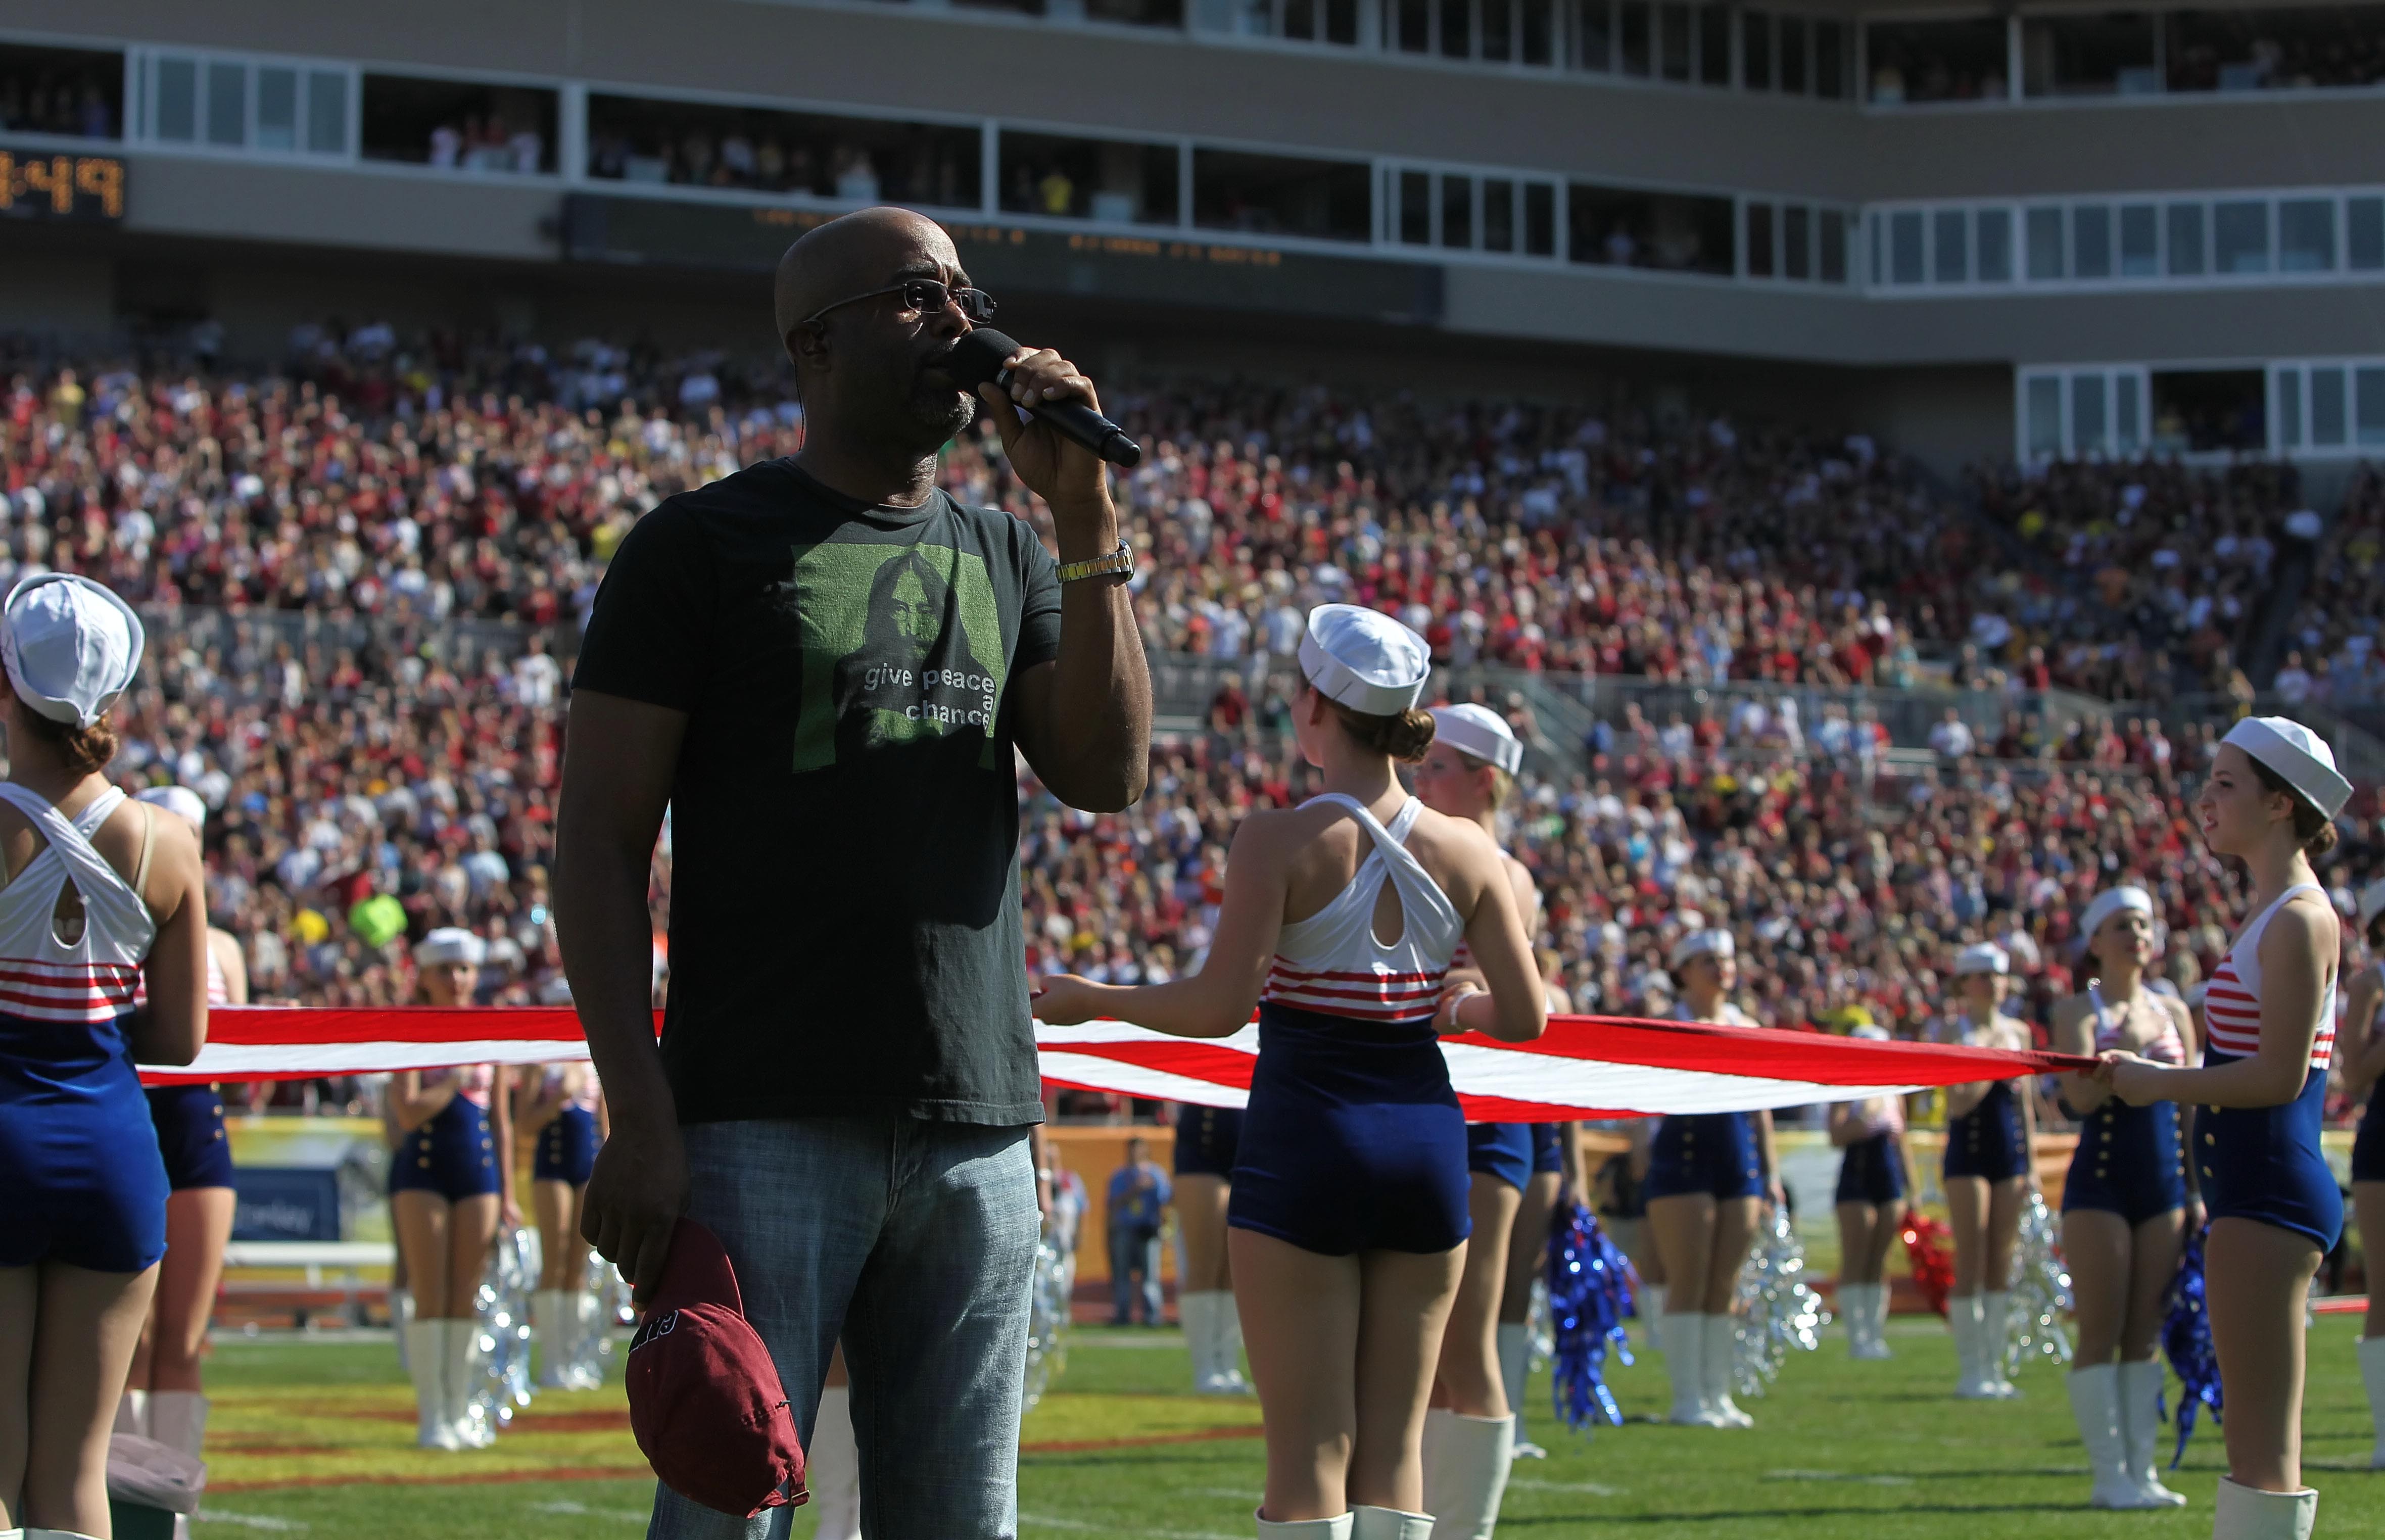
[(1685, 1341), (131, 1417), (2248, 1513), (1336, 1528), (1516, 1381), (1718, 1367), (178, 1419), (553, 1318), (2141, 1387), (1881, 1294), (2372, 1374), (832, 1467), (401, 1316), (1855, 1314), (1389, 1523), (1192, 1312), (1651, 1303), (426, 1364), (1963, 1319), (2096, 1407), (1466, 1482), (1227, 1345), (1995, 1336), (473, 1430)]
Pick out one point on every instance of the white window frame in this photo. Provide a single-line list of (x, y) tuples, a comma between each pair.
[(141, 76), (1388, 175), (2295, 378), (990, 177)]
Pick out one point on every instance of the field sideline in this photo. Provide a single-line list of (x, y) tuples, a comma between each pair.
[(316, 1438)]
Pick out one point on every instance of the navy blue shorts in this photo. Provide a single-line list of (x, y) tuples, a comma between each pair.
[(1500, 1151), (566, 1148), (1548, 1148), (1872, 1171), (454, 1155), (2368, 1145), (189, 1120), (2264, 1164), (1988, 1140), (1206, 1140), (1713, 1153), (81, 1180), (2128, 1162), (1352, 1140)]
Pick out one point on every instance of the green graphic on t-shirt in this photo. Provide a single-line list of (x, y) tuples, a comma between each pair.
[(900, 643)]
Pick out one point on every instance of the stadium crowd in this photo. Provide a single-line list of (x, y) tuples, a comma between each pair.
[(376, 766)]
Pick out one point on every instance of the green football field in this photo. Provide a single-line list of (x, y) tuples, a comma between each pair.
[(316, 1438)]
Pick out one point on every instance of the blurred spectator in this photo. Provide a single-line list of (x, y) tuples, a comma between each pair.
[(1140, 1193)]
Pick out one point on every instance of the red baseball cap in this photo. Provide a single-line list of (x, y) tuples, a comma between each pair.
[(706, 1403)]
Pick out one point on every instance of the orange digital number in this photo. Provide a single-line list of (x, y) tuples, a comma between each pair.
[(55, 177), (102, 179), (7, 182)]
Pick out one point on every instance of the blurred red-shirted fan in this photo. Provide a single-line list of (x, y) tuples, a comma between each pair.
[(704, 1399)]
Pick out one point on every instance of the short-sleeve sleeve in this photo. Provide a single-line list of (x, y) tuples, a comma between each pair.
[(1038, 610), (649, 629)]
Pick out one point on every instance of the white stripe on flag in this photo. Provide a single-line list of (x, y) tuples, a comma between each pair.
[(1479, 1072), (1134, 1080)]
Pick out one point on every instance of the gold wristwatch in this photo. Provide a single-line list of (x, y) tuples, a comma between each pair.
[(1119, 560)]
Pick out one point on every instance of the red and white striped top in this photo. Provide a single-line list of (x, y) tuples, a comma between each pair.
[(2231, 1006), (1333, 963), (42, 978)]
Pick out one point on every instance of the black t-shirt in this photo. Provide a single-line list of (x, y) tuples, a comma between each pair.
[(844, 888)]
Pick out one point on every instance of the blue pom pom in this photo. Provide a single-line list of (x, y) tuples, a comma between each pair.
[(2186, 1339), (1590, 1293)]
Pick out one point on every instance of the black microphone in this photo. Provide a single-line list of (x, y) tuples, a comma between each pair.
[(977, 358)]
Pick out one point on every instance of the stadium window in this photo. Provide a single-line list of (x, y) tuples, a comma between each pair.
[(1950, 247), (1906, 236), (72, 93), (1137, 13), (1992, 230), (2240, 237), (2329, 420), (1833, 229), (272, 107), (1279, 194), (2128, 413), (2140, 240), (226, 113), (2368, 417), (1637, 38), (2088, 424), (1756, 50), (2210, 411), (2044, 237), (1457, 211), (458, 125), (1759, 240), (173, 100), (1797, 242), (1298, 20), (1714, 44), (1498, 31), (1062, 177), (2288, 384), (1498, 214), (1538, 44), (1341, 23), (1794, 35), (1416, 209), (2307, 235), (2089, 55), (2187, 258), (1595, 35), (1457, 28), (2091, 241), (2319, 48), (2363, 233), (1673, 41), (1914, 62), (768, 150), (1412, 26), (1540, 219), (1620, 227), (1830, 60), (2042, 417)]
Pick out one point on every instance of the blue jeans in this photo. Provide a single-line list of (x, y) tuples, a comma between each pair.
[(914, 1243), (1133, 1251)]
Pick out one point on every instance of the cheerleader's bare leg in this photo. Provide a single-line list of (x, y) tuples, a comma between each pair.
[(2368, 1206), (66, 1339), (1466, 1379), (2259, 1278)]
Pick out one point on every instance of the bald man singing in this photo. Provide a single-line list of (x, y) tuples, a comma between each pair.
[(822, 664)]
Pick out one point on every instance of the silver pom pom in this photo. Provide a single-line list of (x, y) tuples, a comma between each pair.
[(1781, 1311), (2041, 1292), (1047, 1320), (501, 1307)]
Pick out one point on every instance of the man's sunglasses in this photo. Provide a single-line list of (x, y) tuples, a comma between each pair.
[(926, 296)]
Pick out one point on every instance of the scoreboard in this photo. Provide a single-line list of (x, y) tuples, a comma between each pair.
[(1174, 266), (59, 187)]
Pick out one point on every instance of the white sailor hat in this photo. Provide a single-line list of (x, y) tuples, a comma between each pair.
[(555, 991), (71, 646), (2372, 903), (1871, 1032), (451, 944), (1714, 942), (1365, 660), (177, 799), (2111, 901), (2296, 753), (1984, 957), (1478, 730)]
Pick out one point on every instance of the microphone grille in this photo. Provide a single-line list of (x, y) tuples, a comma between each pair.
[(979, 356)]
